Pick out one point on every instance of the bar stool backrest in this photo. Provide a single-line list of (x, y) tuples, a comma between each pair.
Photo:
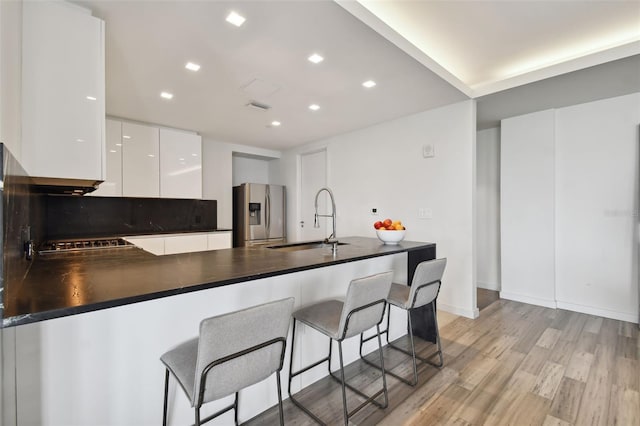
[(426, 282), (231, 333), (362, 292)]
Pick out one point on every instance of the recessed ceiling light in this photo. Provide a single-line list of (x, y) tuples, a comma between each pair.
[(166, 95), (315, 58), (314, 107), (275, 123), (194, 155), (79, 140), (118, 144), (126, 137), (181, 159), (369, 84), (92, 98), (150, 155), (235, 19), (192, 67), (112, 150)]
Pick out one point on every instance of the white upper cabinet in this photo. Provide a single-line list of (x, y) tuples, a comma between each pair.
[(112, 185), (140, 160), (180, 164), (63, 100)]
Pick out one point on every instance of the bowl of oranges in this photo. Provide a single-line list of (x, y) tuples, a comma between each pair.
[(390, 232)]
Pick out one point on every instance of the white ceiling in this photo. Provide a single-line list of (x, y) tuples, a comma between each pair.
[(422, 54)]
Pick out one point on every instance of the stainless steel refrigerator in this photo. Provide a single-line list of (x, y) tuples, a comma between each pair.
[(258, 214)]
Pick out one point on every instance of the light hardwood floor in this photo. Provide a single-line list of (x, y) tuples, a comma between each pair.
[(517, 364)]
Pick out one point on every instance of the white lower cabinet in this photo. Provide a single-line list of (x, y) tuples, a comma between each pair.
[(187, 243), (151, 243), (219, 240), (182, 243)]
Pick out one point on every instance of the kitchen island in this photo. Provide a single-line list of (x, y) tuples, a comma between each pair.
[(88, 328)]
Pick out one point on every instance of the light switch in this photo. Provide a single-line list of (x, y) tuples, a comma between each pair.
[(428, 151)]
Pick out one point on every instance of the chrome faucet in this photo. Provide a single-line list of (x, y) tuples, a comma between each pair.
[(332, 238)]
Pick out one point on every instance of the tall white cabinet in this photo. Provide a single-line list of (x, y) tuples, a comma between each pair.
[(63, 101), (112, 185), (140, 160), (180, 164)]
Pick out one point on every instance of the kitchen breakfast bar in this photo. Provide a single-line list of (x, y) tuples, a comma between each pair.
[(87, 328)]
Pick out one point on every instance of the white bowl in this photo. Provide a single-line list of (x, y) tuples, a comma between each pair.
[(390, 237)]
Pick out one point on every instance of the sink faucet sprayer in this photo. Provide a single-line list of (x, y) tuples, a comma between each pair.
[(332, 238)]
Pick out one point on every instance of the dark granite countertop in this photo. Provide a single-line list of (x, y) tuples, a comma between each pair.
[(64, 284)]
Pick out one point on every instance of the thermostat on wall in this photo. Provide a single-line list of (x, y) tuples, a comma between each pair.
[(428, 151)]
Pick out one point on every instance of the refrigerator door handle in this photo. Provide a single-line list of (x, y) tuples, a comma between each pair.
[(267, 204)]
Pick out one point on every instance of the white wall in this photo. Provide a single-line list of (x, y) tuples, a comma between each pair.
[(11, 75), (10, 135), (251, 170), (488, 208), (382, 166), (527, 208), (570, 182), (596, 207)]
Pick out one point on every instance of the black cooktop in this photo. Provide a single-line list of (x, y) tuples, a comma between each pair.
[(83, 244)]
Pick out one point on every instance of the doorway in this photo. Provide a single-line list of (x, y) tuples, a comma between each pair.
[(313, 176)]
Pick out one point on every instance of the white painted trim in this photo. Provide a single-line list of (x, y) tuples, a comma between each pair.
[(620, 316), (618, 52), (547, 303), (456, 310)]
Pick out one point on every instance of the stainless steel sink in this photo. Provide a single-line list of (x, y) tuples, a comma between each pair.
[(306, 245)]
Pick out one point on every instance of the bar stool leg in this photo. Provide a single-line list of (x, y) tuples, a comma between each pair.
[(435, 320), (280, 399), (344, 390), (384, 379), (413, 352), (166, 397)]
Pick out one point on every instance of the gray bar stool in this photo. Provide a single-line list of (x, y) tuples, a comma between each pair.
[(362, 309), (233, 351), (424, 290)]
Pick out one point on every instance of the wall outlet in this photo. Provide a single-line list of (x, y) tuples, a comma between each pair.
[(374, 212), (425, 213), (428, 151)]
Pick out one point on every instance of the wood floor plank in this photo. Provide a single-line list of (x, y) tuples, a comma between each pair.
[(549, 380), (587, 342), (624, 407), (627, 373), (476, 371), (535, 359), (594, 405), (593, 324), (527, 409), (573, 327), (579, 366), (554, 421), (567, 400), (562, 352), (626, 347), (549, 338)]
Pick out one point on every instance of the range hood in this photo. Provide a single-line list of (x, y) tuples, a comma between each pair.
[(49, 185)]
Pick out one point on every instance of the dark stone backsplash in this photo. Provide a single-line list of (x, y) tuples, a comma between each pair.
[(89, 217)]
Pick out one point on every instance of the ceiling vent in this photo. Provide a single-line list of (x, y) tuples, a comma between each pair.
[(258, 105)]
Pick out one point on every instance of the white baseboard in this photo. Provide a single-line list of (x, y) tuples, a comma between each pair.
[(456, 310), (528, 299), (488, 286), (606, 313)]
